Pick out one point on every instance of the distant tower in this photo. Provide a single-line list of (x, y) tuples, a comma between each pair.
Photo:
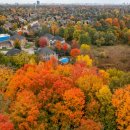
[(38, 2), (16, 4), (35, 6)]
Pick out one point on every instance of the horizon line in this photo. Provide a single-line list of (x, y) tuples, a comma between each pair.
[(58, 3)]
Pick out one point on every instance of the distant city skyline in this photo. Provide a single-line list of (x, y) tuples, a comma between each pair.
[(67, 1)]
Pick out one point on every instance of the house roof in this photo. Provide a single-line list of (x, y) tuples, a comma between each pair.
[(49, 36), (6, 42), (58, 38), (16, 36), (13, 51), (45, 51)]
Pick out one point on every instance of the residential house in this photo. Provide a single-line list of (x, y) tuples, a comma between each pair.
[(35, 26), (58, 38), (52, 39), (49, 38), (46, 53), (22, 39)]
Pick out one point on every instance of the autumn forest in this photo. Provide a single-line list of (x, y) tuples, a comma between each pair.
[(64, 67)]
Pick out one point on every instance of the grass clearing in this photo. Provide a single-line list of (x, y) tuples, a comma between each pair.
[(117, 56)]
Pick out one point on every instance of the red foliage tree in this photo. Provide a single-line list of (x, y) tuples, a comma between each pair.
[(116, 22), (43, 42), (5, 124), (65, 47), (75, 52)]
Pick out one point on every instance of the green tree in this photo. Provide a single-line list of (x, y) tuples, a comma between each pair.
[(118, 78), (66, 34), (99, 38), (84, 38), (45, 29), (4, 60), (110, 38), (107, 113), (70, 32), (21, 59), (76, 34), (61, 32)]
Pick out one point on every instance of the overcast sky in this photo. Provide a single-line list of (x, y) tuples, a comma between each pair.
[(68, 1)]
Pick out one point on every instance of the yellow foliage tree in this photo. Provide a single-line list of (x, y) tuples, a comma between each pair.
[(5, 77), (86, 59), (2, 18), (85, 49), (107, 113)]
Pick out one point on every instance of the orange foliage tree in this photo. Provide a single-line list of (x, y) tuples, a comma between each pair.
[(75, 52), (89, 125), (121, 102), (46, 96), (58, 45), (24, 110), (109, 20)]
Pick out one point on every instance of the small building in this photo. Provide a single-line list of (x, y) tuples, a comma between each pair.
[(46, 53)]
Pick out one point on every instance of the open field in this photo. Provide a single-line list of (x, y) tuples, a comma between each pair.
[(117, 56)]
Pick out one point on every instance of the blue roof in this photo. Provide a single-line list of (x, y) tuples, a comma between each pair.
[(64, 60), (4, 38)]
